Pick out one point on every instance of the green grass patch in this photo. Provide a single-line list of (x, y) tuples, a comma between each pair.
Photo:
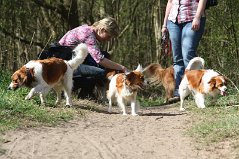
[(15, 112), (150, 102), (217, 122), (152, 96)]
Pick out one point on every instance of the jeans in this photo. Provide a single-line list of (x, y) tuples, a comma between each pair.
[(184, 45), (84, 70), (86, 77)]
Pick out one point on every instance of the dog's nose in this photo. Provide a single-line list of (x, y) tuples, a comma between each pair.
[(147, 82)]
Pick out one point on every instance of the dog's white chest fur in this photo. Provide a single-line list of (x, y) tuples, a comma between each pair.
[(122, 97)]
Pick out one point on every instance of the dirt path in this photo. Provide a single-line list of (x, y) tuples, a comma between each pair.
[(157, 134)]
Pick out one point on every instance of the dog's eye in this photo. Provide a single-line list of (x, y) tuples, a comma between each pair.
[(220, 85)]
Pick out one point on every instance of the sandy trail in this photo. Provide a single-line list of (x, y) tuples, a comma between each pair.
[(157, 134)]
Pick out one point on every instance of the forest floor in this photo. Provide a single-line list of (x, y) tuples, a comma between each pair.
[(158, 133)]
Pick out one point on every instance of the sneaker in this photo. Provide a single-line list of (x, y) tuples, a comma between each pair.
[(174, 99)]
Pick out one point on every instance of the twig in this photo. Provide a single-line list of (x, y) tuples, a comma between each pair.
[(232, 106), (45, 45), (31, 41)]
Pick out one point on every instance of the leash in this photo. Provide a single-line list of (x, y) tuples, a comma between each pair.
[(166, 44)]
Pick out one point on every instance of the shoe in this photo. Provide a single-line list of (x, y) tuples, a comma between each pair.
[(174, 99), (87, 95)]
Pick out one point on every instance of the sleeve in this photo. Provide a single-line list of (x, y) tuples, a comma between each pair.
[(93, 48)]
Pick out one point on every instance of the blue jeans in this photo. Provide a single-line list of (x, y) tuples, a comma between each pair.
[(84, 70), (184, 45)]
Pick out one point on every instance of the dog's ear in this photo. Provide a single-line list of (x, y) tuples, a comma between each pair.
[(31, 71), (130, 76), (212, 83), (139, 68), (29, 77)]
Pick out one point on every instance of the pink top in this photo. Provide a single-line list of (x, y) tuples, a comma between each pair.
[(83, 34), (183, 10)]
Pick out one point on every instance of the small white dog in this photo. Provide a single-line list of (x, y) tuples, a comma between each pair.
[(200, 82), (43, 75), (123, 89)]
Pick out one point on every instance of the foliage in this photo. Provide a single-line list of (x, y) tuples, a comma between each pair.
[(219, 45), (27, 27)]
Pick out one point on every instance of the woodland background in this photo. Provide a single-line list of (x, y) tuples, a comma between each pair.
[(29, 26)]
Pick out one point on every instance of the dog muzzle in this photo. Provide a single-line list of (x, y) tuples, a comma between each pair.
[(223, 91)]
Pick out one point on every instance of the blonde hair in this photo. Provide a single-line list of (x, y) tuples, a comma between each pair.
[(109, 24)]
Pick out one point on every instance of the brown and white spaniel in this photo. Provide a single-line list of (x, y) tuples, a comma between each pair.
[(123, 89), (200, 82), (43, 75)]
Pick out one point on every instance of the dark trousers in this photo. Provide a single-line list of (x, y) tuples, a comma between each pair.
[(89, 74), (86, 77)]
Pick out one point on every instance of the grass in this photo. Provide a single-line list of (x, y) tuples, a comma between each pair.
[(151, 97), (15, 112), (216, 123)]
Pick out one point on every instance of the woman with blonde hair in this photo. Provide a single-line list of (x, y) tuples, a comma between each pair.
[(93, 69)]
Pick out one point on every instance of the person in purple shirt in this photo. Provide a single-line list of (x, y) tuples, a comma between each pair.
[(93, 68)]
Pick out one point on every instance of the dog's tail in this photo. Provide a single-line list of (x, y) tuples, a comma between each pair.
[(151, 70), (196, 63), (81, 52), (152, 74)]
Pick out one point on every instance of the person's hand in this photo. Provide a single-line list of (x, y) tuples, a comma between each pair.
[(124, 69), (196, 24), (164, 30)]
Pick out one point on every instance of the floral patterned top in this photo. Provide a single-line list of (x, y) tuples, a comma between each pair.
[(83, 34)]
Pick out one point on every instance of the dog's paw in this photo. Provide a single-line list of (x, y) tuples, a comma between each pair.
[(109, 110), (27, 97), (134, 114), (182, 109), (124, 114), (68, 105), (57, 102)]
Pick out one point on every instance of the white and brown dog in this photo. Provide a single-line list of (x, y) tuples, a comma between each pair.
[(43, 75), (157, 75), (123, 89), (200, 82)]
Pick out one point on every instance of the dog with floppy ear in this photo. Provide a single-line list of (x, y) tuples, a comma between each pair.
[(42, 75), (123, 89), (200, 82)]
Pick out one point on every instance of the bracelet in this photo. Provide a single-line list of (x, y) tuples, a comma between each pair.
[(164, 26)]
